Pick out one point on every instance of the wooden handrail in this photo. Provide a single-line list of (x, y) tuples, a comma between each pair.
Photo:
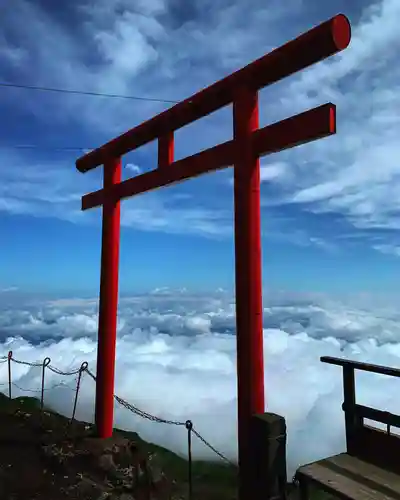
[(358, 365), (354, 413), (384, 417)]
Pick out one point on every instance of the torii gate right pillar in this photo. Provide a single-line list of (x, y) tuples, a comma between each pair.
[(248, 271)]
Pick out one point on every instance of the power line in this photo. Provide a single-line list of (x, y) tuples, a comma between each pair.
[(70, 91), (44, 147), (83, 92)]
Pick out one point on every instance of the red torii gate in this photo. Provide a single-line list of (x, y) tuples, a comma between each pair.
[(243, 152)]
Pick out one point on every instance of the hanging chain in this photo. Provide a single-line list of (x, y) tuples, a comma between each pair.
[(137, 411)]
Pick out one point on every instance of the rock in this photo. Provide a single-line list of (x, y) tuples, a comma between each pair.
[(125, 496), (89, 488), (106, 463), (65, 461), (104, 496)]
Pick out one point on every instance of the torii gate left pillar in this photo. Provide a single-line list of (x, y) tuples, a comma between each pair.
[(243, 152)]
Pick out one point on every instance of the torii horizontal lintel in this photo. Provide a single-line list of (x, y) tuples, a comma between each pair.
[(315, 45), (298, 129)]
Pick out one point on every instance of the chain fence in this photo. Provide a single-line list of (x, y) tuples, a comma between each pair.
[(84, 369)]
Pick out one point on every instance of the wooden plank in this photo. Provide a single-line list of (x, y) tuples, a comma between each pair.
[(385, 417), (367, 472), (358, 365), (349, 392), (339, 485), (376, 446), (345, 481)]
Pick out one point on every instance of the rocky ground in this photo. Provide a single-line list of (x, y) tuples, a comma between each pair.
[(43, 456)]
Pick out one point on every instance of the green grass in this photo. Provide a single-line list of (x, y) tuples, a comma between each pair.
[(217, 475), (24, 403)]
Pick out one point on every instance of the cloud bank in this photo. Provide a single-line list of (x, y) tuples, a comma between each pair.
[(176, 359)]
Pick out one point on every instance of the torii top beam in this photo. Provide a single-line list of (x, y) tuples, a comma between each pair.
[(313, 46)]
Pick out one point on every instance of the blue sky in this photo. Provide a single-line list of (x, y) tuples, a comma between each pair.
[(330, 210)]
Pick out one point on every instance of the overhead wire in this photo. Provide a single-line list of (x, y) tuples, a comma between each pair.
[(44, 147), (76, 92), (85, 92)]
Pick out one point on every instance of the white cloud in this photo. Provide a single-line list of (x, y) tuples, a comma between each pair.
[(133, 168), (355, 173), (158, 216), (42, 190), (273, 171), (126, 45), (388, 249), (176, 359), (150, 50), (9, 289)]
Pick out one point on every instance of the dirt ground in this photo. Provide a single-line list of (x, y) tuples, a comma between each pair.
[(43, 457)]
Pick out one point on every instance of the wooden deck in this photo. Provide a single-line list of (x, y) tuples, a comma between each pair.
[(350, 478), (370, 469)]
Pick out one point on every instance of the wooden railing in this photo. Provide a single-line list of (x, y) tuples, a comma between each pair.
[(363, 441)]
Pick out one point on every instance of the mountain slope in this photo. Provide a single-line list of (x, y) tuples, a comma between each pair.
[(44, 456)]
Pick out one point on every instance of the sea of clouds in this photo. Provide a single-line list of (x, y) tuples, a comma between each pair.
[(176, 358)]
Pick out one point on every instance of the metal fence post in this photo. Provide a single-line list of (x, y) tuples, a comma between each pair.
[(46, 362), (189, 427), (9, 359)]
